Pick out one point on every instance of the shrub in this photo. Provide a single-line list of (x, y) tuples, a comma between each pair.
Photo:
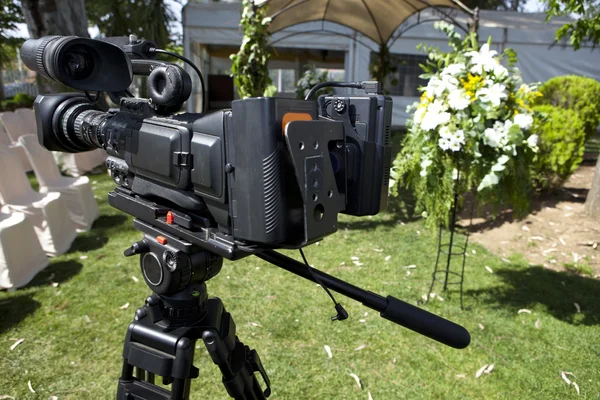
[(310, 79), (576, 93), (561, 145), (24, 100), (20, 100)]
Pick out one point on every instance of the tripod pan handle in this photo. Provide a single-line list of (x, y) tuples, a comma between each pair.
[(426, 323)]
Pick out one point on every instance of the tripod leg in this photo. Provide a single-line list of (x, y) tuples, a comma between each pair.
[(237, 362)]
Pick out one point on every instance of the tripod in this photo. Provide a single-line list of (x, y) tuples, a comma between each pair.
[(162, 338)]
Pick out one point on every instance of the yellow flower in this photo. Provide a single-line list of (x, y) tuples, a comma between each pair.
[(472, 83)]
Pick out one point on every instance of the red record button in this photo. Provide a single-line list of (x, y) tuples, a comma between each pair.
[(170, 218), (161, 239)]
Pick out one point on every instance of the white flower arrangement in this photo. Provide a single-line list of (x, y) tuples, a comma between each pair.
[(473, 117)]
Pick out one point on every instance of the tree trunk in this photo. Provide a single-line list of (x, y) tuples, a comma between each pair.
[(592, 202), (54, 17), (1, 84)]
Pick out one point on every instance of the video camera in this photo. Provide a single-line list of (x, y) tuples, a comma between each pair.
[(269, 172)]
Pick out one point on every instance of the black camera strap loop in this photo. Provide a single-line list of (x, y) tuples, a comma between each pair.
[(342, 314)]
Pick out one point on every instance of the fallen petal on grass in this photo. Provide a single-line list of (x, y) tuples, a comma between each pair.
[(328, 351), (488, 269), (538, 324), (3, 397), (256, 324), (377, 250), (29, 386), (577, 307), (354, 258), (87, 319), (412, 266), (461, 376), (576, 386), (564, 376), (524, 310), (369, 397), (387, 258), (124, 306), (489, 369), (361, 347), (481, 327), (15, 344), (480, 371), (357, 379), (136, 280), (83, 257)]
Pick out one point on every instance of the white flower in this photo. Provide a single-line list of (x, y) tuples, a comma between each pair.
[(444, 144), (483, 60), (493, 94), (418, 118), (436, 86), (454, 69), (436, 115), (454, 174), (489, 180), (459, 135), (499, 70), (532, 141), (425, 163), (494, 137), (455, 145), (524, 120), (458, 99), (445, 133), (499, 166)]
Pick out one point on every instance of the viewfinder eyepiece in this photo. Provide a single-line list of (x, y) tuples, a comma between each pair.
[(80, 63)]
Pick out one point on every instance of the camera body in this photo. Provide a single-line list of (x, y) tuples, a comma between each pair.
[(267, 173)]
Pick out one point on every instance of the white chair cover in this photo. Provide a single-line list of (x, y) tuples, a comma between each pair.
[(80, 163), (21, 255), (76, 192), (27, 117), (6, 141), (19, 124), (47, 212)]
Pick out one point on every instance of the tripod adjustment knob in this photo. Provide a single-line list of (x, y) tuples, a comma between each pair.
[(137, 248)]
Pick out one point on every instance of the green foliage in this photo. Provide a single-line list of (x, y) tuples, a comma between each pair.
[(310, 79), (586, 24), (10, 16), (561, 146), (382, 65), (148, 19), (578, 93), (20, 100), (250, 64)]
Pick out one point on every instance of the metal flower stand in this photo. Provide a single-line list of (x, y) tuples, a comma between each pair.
[(454, 256)]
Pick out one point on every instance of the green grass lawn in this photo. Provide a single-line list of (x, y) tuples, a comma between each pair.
[(73, 332)]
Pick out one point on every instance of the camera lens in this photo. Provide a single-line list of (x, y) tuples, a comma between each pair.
[(77, 123), (79, 63)]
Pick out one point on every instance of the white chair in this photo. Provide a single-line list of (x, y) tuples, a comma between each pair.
[(77, 164), (27, 117), (18, 124), (47, 212), (21, 255), (6, 141), (76, 192)]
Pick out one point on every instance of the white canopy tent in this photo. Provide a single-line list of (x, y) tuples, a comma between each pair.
[(208, 26)]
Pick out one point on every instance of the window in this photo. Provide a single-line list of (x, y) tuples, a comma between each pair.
[(283, 79), (407, 75)]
